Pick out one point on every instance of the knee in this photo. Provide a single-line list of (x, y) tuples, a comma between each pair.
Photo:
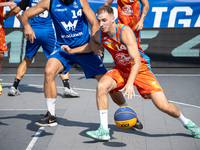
[(1, 56), (49, 73), (101, 88)]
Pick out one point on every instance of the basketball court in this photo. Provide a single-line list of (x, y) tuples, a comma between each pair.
[(78, 115)]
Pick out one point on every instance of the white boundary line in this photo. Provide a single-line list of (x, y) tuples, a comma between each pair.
[(34, 139), (91, 90)]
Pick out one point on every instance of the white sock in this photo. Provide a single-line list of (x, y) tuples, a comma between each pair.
[(182, 119), (103, 116), (125, 104), (51, 103)]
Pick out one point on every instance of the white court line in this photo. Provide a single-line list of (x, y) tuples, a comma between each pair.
[(92, 90), (34, 139)]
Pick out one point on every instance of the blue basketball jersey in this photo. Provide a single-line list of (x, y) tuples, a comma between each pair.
[(43, 20), (71, 25)]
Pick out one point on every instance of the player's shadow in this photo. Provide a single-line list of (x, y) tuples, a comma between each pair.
[(30, 126), (113, 128), (141, 133), (90, 126), (27, 88)]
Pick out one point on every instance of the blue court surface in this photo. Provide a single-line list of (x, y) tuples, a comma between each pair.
[(77, 115)]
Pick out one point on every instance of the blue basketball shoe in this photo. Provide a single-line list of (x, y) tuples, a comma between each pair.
[(100, 134), (193, 128)]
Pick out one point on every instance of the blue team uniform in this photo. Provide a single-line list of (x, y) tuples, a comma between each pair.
[(71, 28), (44, 31)]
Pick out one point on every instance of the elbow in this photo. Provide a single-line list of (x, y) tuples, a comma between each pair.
[(15, 12)]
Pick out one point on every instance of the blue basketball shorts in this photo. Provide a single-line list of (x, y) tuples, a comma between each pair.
[(45, 38), (90, 63)]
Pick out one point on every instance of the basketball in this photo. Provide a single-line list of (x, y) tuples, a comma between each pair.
[(125, 117)]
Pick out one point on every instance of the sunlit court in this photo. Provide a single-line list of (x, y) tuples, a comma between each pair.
[(39, 110)]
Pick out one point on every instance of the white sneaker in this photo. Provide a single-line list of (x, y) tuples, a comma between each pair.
[(69, 92), (13, 91)]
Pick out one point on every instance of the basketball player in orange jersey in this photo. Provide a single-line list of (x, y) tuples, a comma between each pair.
[(3, 46), (131, 13), (131, 68)]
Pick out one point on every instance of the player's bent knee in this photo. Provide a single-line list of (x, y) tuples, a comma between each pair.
[(101, 88)]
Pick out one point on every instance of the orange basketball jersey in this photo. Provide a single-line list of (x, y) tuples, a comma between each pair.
[(119, 51), (129, 13), (145, 81)]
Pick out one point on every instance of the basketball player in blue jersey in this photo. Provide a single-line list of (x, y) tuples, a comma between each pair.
[(43, 28), (71, 19)]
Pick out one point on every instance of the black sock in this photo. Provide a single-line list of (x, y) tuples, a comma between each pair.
[(16, 83), (66, 83)]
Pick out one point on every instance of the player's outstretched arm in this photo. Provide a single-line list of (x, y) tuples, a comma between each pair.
[(94, 24), (128, 38), (84, 48), (81, 49), (13, 12), (30, 13)]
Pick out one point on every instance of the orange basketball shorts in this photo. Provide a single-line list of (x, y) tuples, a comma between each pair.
[(145, 82), (3, 46)]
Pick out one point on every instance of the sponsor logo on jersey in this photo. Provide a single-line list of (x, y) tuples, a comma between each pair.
[(70, 26), (58, 5), (127, 10), (72, 35), (75, 5), (62, 9), (123, 59)]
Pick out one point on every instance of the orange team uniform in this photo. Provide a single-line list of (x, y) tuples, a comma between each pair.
[(3, 46), (145, 81), (129, 13)]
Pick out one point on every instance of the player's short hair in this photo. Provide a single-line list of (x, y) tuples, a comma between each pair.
[(105, 8)]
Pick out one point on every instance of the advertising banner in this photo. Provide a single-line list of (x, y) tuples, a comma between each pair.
[(171, 35)]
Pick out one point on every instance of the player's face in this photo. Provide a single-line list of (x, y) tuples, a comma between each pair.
[(105, 21)]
